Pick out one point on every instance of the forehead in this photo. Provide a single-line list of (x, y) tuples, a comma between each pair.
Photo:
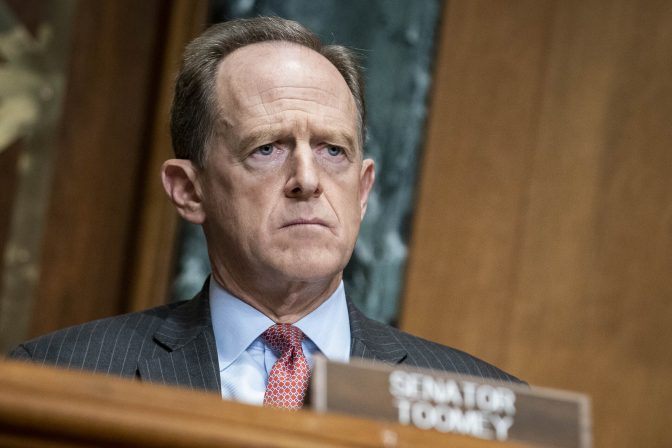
[(271, 76)]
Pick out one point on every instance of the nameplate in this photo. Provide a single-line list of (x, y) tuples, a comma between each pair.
[(450, 403)]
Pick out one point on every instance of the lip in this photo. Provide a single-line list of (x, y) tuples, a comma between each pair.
[(305, 222)]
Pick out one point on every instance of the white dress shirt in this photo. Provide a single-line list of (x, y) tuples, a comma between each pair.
[(245, 359)]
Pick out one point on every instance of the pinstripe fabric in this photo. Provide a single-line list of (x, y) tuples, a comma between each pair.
[(171, 344), (174, 344), (379, 342)]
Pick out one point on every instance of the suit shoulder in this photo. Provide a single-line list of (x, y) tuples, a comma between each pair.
[(107, 344), (424, 353)]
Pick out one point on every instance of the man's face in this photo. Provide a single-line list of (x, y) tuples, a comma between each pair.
[(284, 187)]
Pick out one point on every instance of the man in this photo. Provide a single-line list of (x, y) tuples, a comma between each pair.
[(268, 129)]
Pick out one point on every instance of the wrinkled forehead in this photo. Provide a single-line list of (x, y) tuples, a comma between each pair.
[(263, 73)]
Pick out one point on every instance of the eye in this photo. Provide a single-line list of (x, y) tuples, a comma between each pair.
[(334, 151), (264, 150)]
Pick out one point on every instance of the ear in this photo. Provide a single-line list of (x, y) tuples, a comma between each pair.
[(366, 179), (180, 180)]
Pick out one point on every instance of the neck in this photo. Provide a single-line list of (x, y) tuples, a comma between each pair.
[(283, 302)]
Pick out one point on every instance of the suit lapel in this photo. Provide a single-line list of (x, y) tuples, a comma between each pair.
[(189, 357), (372, 340)]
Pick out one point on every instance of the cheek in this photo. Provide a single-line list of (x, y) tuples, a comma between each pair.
[(350, 194), (348, 209), (243, 207)]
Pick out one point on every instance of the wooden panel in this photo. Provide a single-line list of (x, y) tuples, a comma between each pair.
[(100, 151), (8, 177), (543, 234), (157, 228), (474, 174), (42, 407)]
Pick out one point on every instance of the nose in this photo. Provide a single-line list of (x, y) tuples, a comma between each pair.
[(304, 177)]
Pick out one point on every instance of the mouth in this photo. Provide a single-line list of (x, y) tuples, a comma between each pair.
[(305, 222)]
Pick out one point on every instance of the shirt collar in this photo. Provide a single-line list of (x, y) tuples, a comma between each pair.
[(328, 326), (236, 325)]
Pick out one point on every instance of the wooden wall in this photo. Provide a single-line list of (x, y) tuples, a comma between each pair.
[(100, 155), (542, 240), (109, 217), (109, 230)]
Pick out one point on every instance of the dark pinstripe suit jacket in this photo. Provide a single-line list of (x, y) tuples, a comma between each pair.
[(175, 344)]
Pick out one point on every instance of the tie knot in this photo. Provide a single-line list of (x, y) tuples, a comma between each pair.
[(282, 337)]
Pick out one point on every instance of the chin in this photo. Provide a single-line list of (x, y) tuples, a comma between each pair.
[(311, 267)]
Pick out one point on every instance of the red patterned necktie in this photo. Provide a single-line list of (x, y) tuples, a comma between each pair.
[(288, 380)]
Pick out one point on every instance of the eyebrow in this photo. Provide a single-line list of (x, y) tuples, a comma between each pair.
[(270, 134), (256, 137)]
